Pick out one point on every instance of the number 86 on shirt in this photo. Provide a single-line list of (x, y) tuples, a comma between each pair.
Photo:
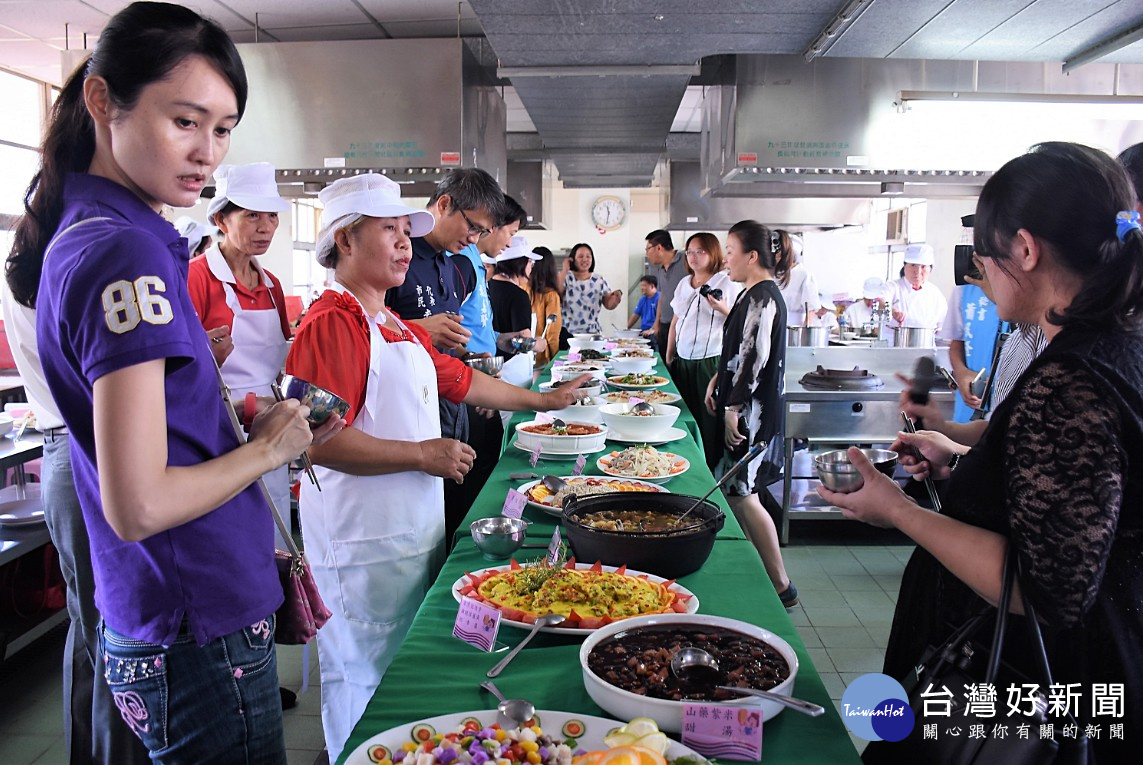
[(126, 303)]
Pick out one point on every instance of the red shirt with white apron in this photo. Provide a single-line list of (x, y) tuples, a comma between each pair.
[(259, 352), (375, 542)]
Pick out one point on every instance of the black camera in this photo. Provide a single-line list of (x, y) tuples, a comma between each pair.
[(706, 291)]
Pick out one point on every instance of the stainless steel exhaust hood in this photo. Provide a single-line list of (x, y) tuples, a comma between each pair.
[(839, 127), (411, 109)]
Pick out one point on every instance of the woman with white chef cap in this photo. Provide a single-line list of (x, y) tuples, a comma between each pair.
[(508, 294), (916, 302), (860, 312), (375, 533), (197, 234), (240, 304)]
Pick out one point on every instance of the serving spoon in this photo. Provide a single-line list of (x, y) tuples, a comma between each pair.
[(696, 664), (514, 711), (642, 407), (754, 452), (548, 620), (553, 483)]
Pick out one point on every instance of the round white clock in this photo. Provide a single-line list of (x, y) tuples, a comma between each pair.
[(608, 212)]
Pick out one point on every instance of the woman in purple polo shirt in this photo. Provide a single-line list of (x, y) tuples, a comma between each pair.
[(184, 570)]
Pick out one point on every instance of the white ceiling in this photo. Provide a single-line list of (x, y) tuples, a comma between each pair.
[(577, 113)]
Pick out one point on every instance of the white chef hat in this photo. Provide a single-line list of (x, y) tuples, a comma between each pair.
[(797, 245), (191, 230), (517, 248), (347, 200), (873, 288), (919, 254), (251, 187)]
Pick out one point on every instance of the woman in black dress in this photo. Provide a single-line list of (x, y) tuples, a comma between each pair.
[(745, 396), (1058, 474), (508, 295)]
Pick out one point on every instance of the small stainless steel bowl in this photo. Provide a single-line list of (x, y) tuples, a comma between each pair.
[(499, 536), (839, 474), (321, 402), (487, 365)]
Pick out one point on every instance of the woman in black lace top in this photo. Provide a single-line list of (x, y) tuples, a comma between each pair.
[(1058, 474)]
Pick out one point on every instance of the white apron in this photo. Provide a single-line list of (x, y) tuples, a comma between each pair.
[(257, 358), (374, 542)]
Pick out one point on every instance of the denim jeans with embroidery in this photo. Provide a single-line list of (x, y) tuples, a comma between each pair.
[(217, 703)]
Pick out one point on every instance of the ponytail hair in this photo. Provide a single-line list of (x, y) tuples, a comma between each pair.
[(758, 238), (141, 45), (1068, 196), (784, 249)]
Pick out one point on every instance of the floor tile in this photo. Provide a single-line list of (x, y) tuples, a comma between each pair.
[(56, 754), (857, 659), (798, 616), (832, 617), (833, 684), (301, 757), (821, 597), (821, 660), (855, 582), (844, 637), (17, 748), (810, 637), (860, 600)]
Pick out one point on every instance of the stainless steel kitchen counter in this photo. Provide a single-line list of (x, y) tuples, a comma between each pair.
[(839, 418)]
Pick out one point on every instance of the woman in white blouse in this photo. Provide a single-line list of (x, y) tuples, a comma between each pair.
[(694, 342)]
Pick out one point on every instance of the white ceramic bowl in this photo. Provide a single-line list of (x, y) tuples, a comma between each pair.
[(591, 390), (624, 705), (583, 342), (631, 427), (7, 423), (561, 444), (632, 365), (565, 373), (584, 411)]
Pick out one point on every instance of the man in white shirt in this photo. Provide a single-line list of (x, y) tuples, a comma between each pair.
[(915, 301)]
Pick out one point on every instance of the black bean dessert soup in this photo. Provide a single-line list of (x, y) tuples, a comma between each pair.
[(639, 660)]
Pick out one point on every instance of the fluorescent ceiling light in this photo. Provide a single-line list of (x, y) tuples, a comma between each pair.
[(1104, 47), (905, 96)]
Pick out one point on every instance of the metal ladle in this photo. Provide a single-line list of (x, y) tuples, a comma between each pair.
[(642, 407), (553, 483), (548, 620), (514, 711), (754, 452), (694, 662)]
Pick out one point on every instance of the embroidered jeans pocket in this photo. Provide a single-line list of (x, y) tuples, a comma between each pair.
[(250, 650), (136, 673)]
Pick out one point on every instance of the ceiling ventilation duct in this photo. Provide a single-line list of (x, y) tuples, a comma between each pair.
[(319, 111)]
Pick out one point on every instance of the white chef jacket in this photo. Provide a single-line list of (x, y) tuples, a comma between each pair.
[(800, 290), (925, 308)]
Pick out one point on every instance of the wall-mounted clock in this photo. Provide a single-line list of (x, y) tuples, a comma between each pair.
[(608, 212)]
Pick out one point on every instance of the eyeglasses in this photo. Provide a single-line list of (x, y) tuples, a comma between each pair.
[(473, 228), (695, 253)]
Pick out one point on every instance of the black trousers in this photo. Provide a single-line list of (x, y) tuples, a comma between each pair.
[(485, 436)]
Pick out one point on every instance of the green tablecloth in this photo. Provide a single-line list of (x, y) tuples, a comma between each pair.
[(434, 673)]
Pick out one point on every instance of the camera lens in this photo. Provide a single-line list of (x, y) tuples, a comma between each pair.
[(704, 290), (715, 293)]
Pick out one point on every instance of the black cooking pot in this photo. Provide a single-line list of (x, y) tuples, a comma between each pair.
[(666, 554)]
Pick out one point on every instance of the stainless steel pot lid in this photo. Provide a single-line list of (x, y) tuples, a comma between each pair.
[(840, 379)]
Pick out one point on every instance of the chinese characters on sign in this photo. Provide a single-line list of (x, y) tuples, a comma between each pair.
[(1024, 701), (384, 150), (728, 733), (808, 149)]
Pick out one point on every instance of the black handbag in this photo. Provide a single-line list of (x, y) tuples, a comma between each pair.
[(958, 663)]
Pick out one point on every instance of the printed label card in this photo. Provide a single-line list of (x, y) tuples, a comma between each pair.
[(728, 733), (477, 624)]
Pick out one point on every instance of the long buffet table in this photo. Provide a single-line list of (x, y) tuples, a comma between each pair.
[(434, 673)]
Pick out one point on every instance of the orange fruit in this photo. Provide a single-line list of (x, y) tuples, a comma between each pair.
[(631, 755)]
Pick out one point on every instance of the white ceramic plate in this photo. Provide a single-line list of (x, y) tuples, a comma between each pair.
[(613, 380), (680, 466), (692, 602), (15, 512), (667, 436), (558, 511), (547, 455), (621, 396), (588, 731)]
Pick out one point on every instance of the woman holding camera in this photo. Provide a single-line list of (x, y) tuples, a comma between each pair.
[(701, 304)]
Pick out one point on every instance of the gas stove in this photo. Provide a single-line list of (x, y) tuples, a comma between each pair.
[(856, 379)]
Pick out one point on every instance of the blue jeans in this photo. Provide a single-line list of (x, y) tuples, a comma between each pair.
[(217, 703)]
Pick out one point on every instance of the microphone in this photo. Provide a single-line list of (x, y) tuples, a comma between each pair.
[(924, 374)]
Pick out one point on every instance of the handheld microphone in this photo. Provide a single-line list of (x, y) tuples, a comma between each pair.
[(923, 375)]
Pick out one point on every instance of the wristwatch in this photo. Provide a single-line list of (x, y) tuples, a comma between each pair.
[(954, 461)]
